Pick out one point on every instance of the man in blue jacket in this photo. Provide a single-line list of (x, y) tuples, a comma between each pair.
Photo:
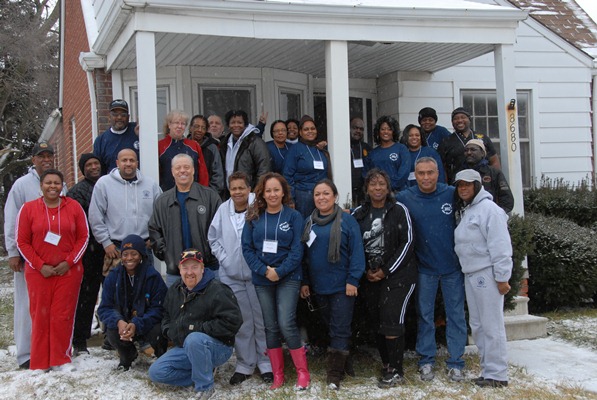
[(431, 206)]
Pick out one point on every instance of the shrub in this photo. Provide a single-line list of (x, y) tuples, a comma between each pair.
[(563, 264), (555, 197)]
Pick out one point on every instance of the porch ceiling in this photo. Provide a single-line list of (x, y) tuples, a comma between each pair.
[(366, 59)]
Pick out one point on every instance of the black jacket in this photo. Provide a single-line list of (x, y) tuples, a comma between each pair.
[(399, 259), (253, 157), (451, 150), (82, 192), (211, 309)]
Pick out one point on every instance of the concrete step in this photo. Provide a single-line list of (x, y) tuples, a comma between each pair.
[(520, 327), (521, 306)]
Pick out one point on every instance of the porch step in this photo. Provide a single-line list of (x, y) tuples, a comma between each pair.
[(520, 327)]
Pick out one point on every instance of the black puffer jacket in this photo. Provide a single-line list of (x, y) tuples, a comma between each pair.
[(210, 308), (252, 158)]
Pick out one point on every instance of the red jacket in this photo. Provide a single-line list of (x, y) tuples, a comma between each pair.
[(168, 148), (68, 220)]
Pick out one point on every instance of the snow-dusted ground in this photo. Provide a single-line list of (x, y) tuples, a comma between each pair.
[(540, 368)]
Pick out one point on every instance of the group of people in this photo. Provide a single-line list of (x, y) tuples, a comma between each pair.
[(245, 229)]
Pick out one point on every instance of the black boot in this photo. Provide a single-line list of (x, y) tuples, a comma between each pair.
[(335, 370)]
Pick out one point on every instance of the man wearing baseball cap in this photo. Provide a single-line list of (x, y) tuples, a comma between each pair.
[(122, 134), (451, 149), (26, 188), (493, 179), (201, 318)]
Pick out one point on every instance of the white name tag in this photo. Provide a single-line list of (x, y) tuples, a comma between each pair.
[(411, 176), (358, 163), (270, 246), (52, 238), (312, 237), (317, 164)]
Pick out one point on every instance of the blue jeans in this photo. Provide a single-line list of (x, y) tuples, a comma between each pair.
[(336, 310), (452, 286), (303, 202), (278, 306), (191, 364)]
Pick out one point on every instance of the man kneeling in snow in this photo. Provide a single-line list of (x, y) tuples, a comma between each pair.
[(201, 318)]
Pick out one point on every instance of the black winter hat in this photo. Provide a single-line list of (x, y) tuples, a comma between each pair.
[(427, 112), (84, 158), (134, 242), (461, 110)]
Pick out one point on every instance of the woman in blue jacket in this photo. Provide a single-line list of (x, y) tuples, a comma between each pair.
[(271, 242), (334, 265), (414, 139), (389, 156), (132, 303), (305, 165)]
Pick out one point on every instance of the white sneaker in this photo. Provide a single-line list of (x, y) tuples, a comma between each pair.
[(426, 372), (455, 375)]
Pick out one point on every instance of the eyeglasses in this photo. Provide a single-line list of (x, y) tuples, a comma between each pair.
[(119, 114)]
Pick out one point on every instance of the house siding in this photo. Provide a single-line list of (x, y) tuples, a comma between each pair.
[(560, 86)]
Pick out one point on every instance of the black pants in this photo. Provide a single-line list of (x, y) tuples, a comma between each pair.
[(127, 351), (93, 262)]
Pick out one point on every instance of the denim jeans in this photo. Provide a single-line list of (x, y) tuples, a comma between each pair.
[(278, 306), (303, 201), (336, 310), (191, 364), (452, 286)]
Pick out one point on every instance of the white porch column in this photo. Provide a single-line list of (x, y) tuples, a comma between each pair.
[(148, 109), (508, 121), (338, 118)]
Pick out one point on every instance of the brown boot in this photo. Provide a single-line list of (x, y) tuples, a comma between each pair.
[(335, 370)]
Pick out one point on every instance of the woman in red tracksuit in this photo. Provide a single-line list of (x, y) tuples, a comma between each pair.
[(52, 236)]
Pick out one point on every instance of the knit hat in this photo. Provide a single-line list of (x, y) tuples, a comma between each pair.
[(134, 242), (467, 175), (119, 103), (191, 254), (427, 112), (84, 158), (477, 142), (42, 146), (461, 110)]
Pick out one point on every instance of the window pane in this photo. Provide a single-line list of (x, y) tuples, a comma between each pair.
[(162, 105), (525, 157), (493, 128), (221, 100), (467, 102), (290, 105), (320, 115), (479, 106), (523, 132), (522, 104), (492, 105), (479, 124), (355, 105)]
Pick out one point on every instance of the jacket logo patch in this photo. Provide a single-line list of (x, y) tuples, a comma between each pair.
[(487, 178), (394, 157), (284, 226), (146, 194), (201, 209), (446, 208), (136, 145)]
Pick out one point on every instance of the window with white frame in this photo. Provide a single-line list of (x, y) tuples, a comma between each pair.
[(359, 107), (484, 119), (219, 100), (163, 104)]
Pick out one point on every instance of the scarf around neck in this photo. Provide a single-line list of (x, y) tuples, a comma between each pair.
[(335, 232)]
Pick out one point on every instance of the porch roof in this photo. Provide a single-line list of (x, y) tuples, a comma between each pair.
[(382, 36)]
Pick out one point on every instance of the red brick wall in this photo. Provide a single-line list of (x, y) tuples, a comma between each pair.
[(76, 107)]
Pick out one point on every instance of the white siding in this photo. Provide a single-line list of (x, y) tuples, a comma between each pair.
[(560, 109)]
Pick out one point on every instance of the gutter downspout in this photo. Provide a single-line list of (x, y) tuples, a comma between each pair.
[(89, 62), (594, 121)]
